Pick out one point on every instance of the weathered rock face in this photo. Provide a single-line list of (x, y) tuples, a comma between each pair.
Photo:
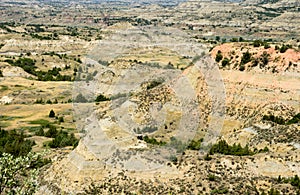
[(10, 71)]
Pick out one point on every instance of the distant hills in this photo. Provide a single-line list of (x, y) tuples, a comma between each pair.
[(122, 2)]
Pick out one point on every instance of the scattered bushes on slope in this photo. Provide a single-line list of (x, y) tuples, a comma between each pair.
[(281, 121)]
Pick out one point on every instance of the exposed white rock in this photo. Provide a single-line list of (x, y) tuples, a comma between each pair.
[(5, 100)]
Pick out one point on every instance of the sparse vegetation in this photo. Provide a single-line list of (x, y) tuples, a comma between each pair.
[(220, 191), (281, 121), (51, 36), (146, 129), (153, 141), (294, 181), (28, 65)]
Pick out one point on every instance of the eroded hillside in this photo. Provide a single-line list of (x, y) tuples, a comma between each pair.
[(196, 98)]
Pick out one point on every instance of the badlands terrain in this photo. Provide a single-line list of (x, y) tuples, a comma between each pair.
[(151, 97)]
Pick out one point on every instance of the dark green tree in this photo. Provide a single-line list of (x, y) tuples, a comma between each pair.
[(265, 58), (257, 43), (52, 132), (246, 57), (51, 114), (225, 62), (219, 56), (101, 98)]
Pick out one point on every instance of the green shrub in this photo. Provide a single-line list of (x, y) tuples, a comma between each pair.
[(147, 129), (257, 43), (264, 58), (294, 181), (234, 39), (14, 143), (295, 119), (153, 141), (225, 62), (101, 98), (223, 148), (266, 45), (195, 144), (207, 157), (48, 102), (153, 84), (246, 58), (242, 67), (274, 119), (40, 132), (283, 48), (52, 132), (266, 149), (63, 139), (219, 56), (173, 159), (61, 119), (212, 177), (27, 64)]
